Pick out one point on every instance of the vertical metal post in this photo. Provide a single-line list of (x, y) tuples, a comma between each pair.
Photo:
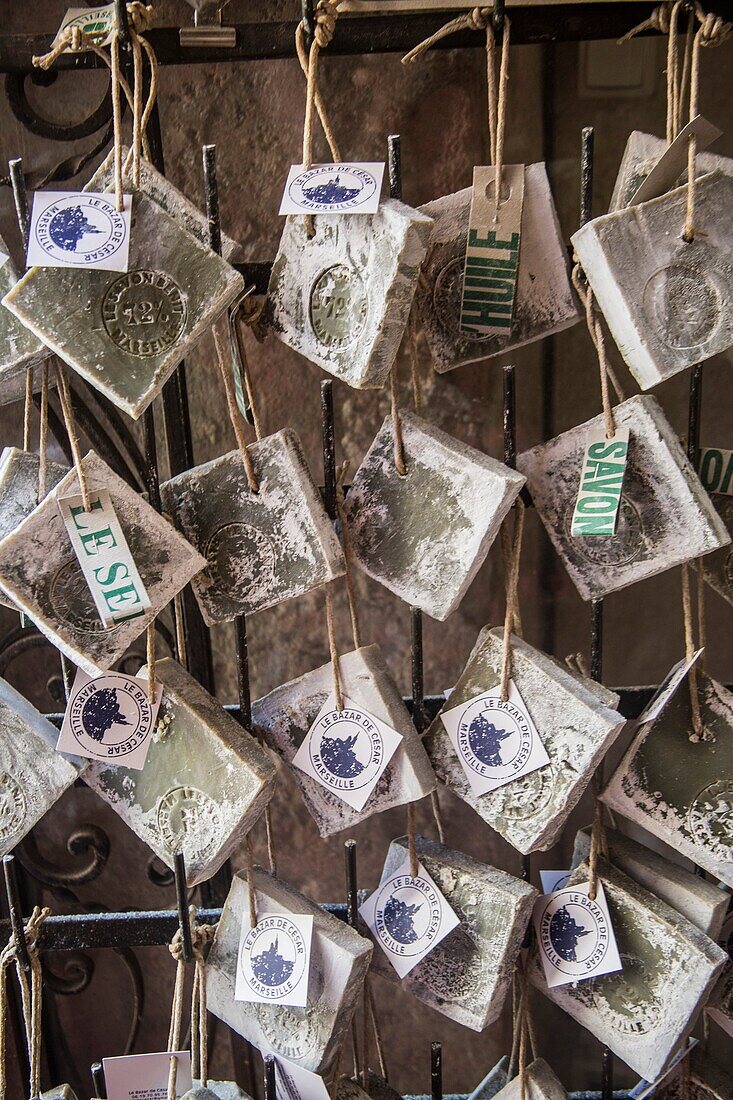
[(352, 892), (394, 165), (436, 1071), (309, 21), (270, 1078), (329, 449), (20, 198), (184, 918), (100, 1086), (16, 915), (694, 415), (418, 673)]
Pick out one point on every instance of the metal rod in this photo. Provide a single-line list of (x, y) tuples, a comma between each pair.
[(16, 915), (607, 1075), (329, 448), (586, 174), (243, 684), (184, 918), (418, 670), (436, 1071), (20, 198), (100, 1085), (694, 415), (510, 438), (352, 891), (121, 23), (308, 19), (394, 165), (211, 192), (270, 1079), (596, 640)]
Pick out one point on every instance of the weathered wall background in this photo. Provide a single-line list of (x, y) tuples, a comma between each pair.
[(253, 113)]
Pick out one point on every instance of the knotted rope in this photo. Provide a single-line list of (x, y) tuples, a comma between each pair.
[(235, 416), (67, 410), (598, 848), (31, 1000), (711, 32), (326, 13), (699, 732), (511, 584), (201, 936), (595, 330)]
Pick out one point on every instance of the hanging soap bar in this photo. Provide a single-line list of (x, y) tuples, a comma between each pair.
[(379, 1089), (646, 1010), (126, 333), (707, 1081), (32, 774), (680, 790), (162, 192), (576, 721), (467, 975), (424, 536), (309, 1036), (666, 300), (342, 298), (349, 1089), (205, 781), (662, 495), (641, 154), (19, 489), (718, 567), (287, 714), (701, 902), (720, 1006), (493, 1082), (216, 1090), (61, 1092), (544, 303), (541, 1084), (41, 574), (19, 348), (261, 548)]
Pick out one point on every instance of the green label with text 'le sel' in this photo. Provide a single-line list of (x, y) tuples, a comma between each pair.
[(492, 252), (601, 481)]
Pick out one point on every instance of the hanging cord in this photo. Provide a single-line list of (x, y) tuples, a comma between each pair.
[(174, 1032), (348, 556), (43, 433), (399, 443), (595, 330), (699, 732), (31, 1001), (70, 422), (326, 13), (512, 607), (598, 848), (374, 1022), (150, 646), (201, 937), (517, 1014), (414, 360), (269, 832), (235, 416), (249, 314)]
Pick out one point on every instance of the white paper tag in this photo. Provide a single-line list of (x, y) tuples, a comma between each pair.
[(575, 936), (408, 917), (646, 1089), (553, 880), (601, 482), (673, 161), (3, 258), (98, 22), (110, 718), (716, 470), (347, 750), (348, 188), (295, 1083), (667, 688), (496, 741), (79, 229), (145, 1076), (104, 556), (492, 252), (273, 963)]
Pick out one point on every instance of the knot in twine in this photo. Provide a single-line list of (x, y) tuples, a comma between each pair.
[(140, 16), (713, 29), (33, 928), (201, 937), (477, 19), (71, 39), (659, 20), (326, 14)]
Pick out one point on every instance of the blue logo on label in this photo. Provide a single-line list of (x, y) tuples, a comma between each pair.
[(68, 227), (398, 919), (331, 192), (81, 230), (337, 754), (485, 740), (565, 933), (270, 967), (331, 188), (101, 712)]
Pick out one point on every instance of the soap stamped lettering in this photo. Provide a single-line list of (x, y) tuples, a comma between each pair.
[(144, 312), (12, 805), (338, 306)]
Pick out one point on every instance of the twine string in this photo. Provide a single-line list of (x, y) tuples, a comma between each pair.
[(711, 32), (248, 314), (595, 330), (437, 816), (326, 13), (31, 995), (399, 443), (27, 406), (235, 416), (376, 1032), (698, 731), (512, 605), (150, 657), (67, 410), (174, 1031), (43, 433), (598, 848)]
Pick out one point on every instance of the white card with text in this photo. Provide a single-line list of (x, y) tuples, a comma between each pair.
[(348, 188), (273, 963), (110, 718), (145, 1076), (296, 1083), (79, 229), (575, 935), (553, 880)]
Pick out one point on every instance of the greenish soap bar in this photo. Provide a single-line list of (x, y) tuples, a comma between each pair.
[(19, 348)]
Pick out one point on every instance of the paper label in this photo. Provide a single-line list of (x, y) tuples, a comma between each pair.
[(347, 188), (98, 22), (673, 162), (79, 229), (575, 936), (553, 880), (3, 258), (716, 470), (601, 482), (496, 741), (273, 963), (104, 556), (145, 1076), (492, 251), (110, 718), (667, 688), (646, 1089), (347, 750), (408, 917), (293, 1082)]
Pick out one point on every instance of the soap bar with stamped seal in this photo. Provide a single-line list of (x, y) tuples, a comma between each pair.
[(19, 348), (662, 495), (287, 714), (424, 536), (40, 572), (261, 547), (646, 1010), (680, 790), (33, 776), (310, 1036), (466, 976), (545, 302), (642, 153), (717, 567), (575, 718), (342, 297), (667, 301), (205, 781)]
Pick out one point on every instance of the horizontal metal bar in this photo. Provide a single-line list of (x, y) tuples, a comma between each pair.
[(366, 34)]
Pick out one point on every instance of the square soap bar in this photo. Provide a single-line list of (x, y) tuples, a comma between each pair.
[(717, 567), (309, 1036), (642, 153), (545, 302), (125, 333), (261, 548), (19, 490), (41, 574), (425, 536), (666, 301), (287, 713), (541, 1084), (32, 774), (19, 348), (205, 781), (342, 298), (680, 790), (466, 976), (645, 1011), (576, 720), (720, 1006), (701, 902), (662, 496), (162, 191)]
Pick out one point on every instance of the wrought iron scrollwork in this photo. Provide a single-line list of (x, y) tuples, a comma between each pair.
[(86, 840), (29, 117)]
